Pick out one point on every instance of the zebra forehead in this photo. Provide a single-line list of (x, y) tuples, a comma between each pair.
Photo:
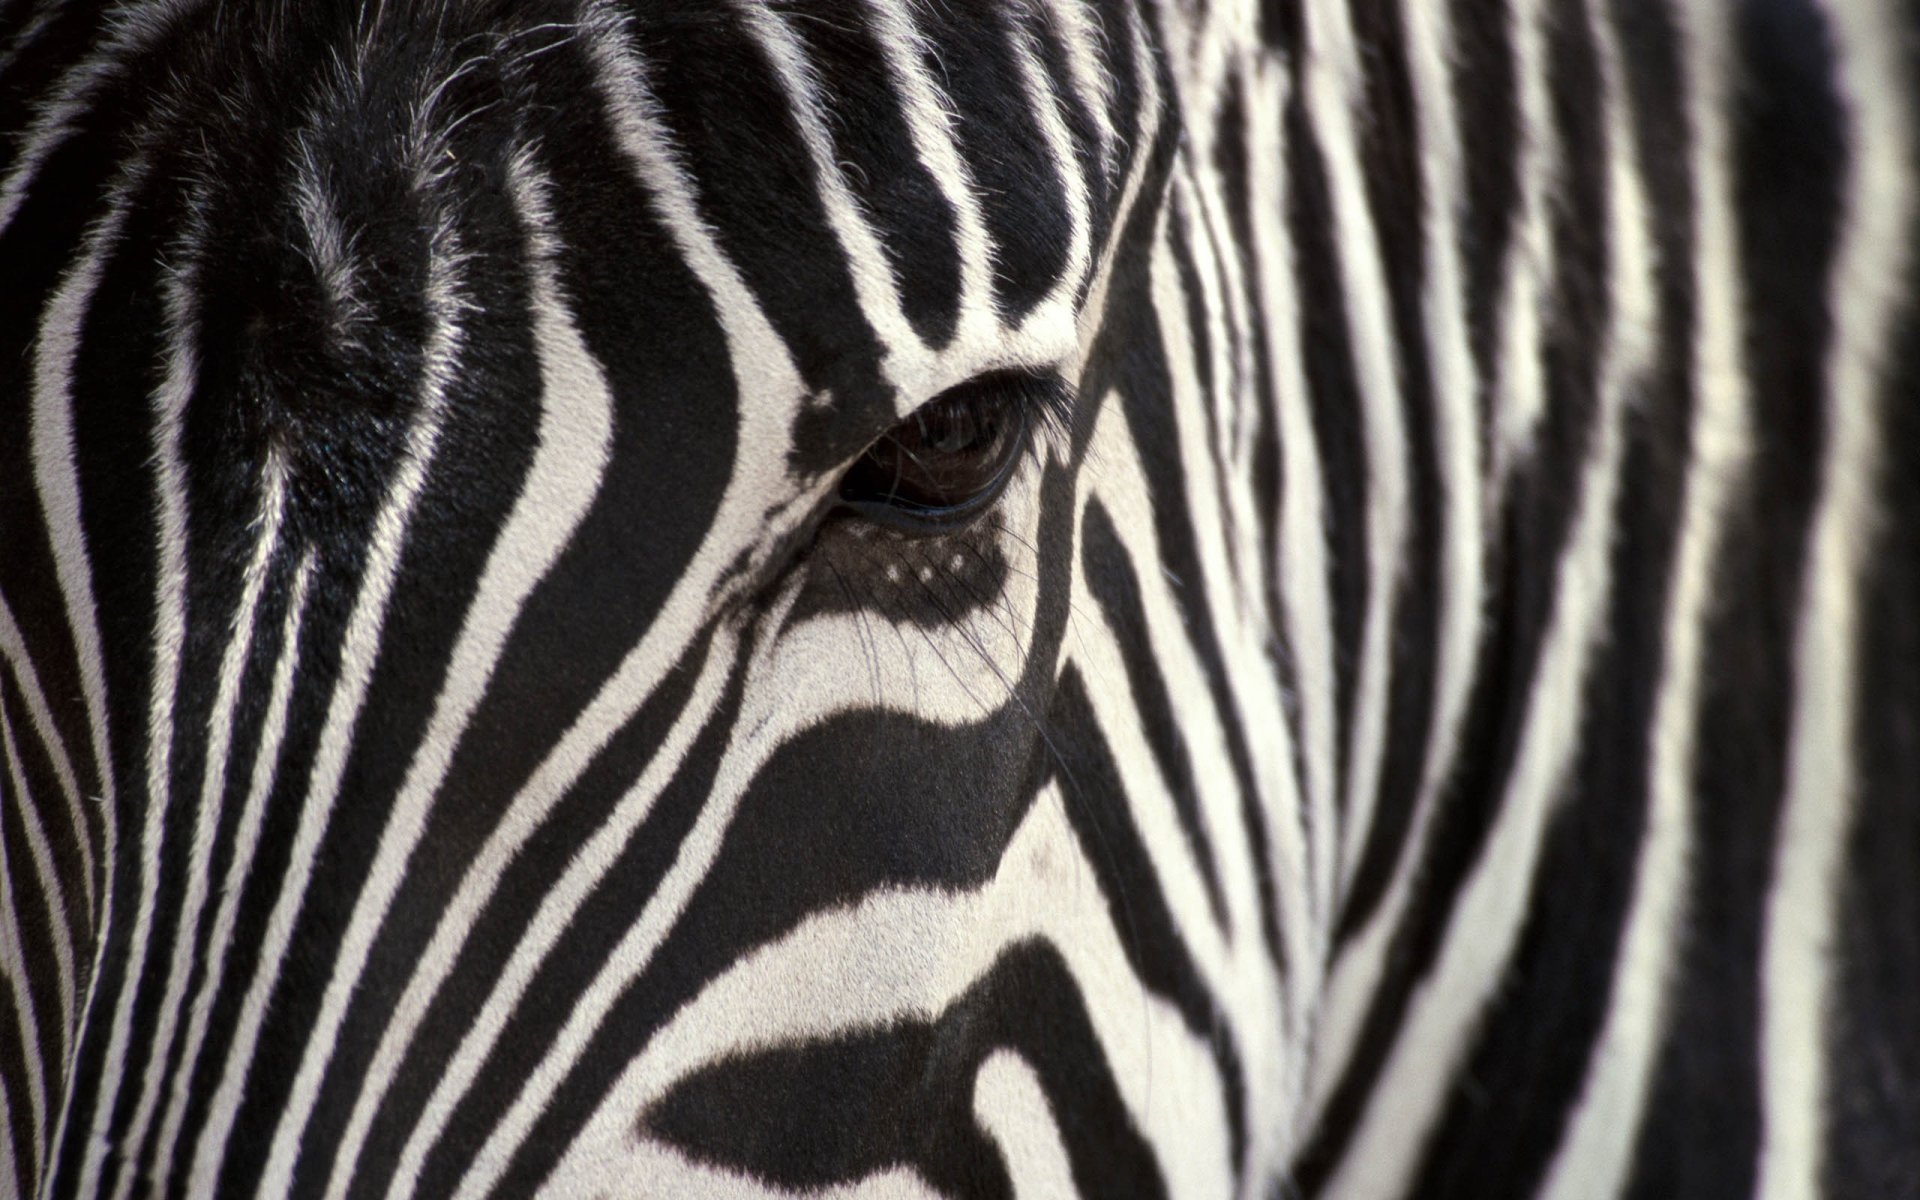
[(821, 212)]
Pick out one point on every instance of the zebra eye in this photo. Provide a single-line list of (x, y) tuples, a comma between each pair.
[(945, 464)]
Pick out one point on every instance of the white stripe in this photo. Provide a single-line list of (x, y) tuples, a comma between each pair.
[(1209, 415), (1595, 1155), (1266, 1013), (1237, 615), (1462, 591), (57, 481), (13, 652), (11, 1154), (168, 640), (1237, 404), (330, 247), (573, 444), (1487, 916), (930, 123), (648, 930), (1010, 1106), (558, 906), (796, 681), (1072, 183), (13, 970), (1194, 41), (246, 844), (912, 954), (359, 649), (670, 1173), (213, 777), (1331, 81), (1519, 391), (1236, 589), (129, 31), (1080, 39), (1092, 315), (1870, 283), (907, 364), (1455, 390), (1203, 724), (46, 880), (769, 390), (1222, 506), (1095, 650), (1301, 564)]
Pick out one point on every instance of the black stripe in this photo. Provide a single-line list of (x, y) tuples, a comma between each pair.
[(733, 123), (32, 916), (1235, 173), (1102, 181), (1231, 160), (341, 407), (1110, 577), (1531, 1055), (35, 765), (69, 192), (1130, 357), (40, 48), (1149, 932), (859, 801), (1789, 151), (21, 1128), (872, 143), (1536, 524), (1395, 194), (1874, 1022), (491, 939), (576, 958), (671, 453), (1018, 183), (1486, 102), (116, 369), (248, 730), (1333, 394), (820, 1113)]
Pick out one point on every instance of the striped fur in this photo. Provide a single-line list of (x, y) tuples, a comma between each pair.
[(1433, 714)]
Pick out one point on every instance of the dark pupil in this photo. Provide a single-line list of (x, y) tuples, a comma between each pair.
[(949, 453)]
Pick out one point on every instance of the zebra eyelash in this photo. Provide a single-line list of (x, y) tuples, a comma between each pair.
[(1049, 401)]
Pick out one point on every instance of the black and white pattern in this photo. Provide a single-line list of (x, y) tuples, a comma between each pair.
[(916, 597)]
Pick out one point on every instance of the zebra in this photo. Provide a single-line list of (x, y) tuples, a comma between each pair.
[(896, 598)]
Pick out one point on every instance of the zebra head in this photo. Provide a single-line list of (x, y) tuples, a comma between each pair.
[(915, 597), (610, 577)]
